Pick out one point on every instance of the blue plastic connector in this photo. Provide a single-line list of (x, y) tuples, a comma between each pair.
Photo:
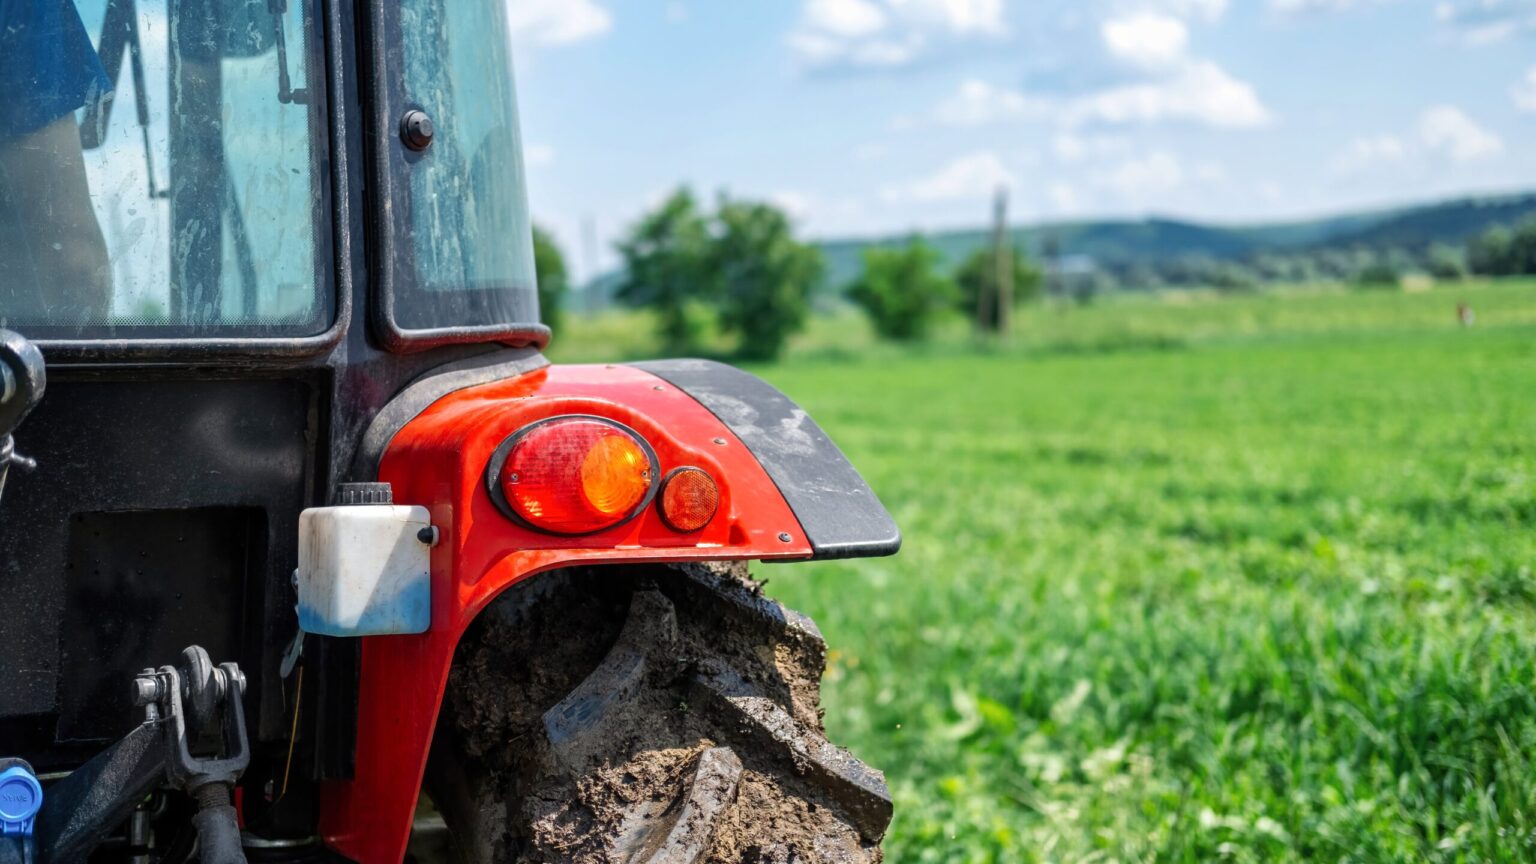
[(21, 796)]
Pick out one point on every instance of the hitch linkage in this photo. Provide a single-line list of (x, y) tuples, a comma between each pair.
[(192, 738)]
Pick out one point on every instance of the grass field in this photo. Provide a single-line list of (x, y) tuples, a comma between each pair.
[(1190, 578)]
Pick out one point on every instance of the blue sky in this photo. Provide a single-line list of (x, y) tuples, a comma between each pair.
[(876, 116)]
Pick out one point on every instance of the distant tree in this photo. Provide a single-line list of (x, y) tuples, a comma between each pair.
[(1334, 264), (901, 289), (976, 279), (1085, 288), (667, 266), (1270, 267), (1522, 248), (1446, 263), (549, 267), (765, 276), (1379, 273), (1189, 269), (1489, 253), (1140, 277), (1232, 278)]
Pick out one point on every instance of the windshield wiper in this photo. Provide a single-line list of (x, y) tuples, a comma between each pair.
[(285, 92), (120, 31)]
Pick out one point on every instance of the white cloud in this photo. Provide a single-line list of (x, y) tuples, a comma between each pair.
[(871, 151), (538, 155), (978, 103), (1149, 178), (1446, 129), (1484, 21), (1071, 147), (1295, 7), (1369, 152), (1191, 90), (849, 18), (822, 50), (1064, 197), (1210, 172), (1203, 10), (1524, 92), (1146, 39), (794, 202), (875, 34), (1150, 174), (962, 17), (1198, 91), (557, 22), (975, 176)]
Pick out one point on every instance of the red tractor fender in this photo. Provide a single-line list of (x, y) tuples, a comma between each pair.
[(438, 460)]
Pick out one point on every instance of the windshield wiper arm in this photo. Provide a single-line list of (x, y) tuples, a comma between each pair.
[(119, 32), (285, 92)]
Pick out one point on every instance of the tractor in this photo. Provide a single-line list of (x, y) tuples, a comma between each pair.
[(307, 553)]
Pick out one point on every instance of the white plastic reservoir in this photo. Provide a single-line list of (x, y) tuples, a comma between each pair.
[(365, 570)]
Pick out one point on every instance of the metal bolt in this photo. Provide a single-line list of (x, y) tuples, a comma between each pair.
[(720, 441), (784, 537), (416, 130), (511, 478), (147, 691), (658, 387)]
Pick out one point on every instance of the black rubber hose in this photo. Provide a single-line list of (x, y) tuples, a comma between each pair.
[(16, 850), (218, 831)]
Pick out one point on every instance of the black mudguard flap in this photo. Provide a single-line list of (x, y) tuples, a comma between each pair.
[(838, 511)]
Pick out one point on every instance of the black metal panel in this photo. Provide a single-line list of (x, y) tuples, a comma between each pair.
[(141, 585), (837, 510), (134, 441)]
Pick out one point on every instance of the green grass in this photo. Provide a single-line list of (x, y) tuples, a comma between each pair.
[(1186, 580)]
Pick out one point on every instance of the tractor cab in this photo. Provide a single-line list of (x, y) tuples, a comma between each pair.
[(272, 410)]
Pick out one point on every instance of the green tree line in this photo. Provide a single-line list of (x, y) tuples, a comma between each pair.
[(738, 269), (1501, 250)]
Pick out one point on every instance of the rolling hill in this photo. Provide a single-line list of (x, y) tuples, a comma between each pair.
[(1155, 239)]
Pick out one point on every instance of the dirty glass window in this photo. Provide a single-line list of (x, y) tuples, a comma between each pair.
[(157, 169), (469, 229)]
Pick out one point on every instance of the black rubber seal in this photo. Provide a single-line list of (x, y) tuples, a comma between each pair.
[(434, 385)]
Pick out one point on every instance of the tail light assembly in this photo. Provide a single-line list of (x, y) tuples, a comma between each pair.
[(578, 474), (573, 475)]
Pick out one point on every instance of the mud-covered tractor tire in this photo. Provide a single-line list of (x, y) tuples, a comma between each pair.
[(647, 716)]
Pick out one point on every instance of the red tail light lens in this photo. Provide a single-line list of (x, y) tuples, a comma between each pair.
[(573, 475), (689, 499)]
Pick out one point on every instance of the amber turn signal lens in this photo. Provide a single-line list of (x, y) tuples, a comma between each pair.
[(576, 475), (689, 499)]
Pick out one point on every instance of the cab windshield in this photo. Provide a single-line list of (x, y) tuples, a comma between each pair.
[(158, 169)]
